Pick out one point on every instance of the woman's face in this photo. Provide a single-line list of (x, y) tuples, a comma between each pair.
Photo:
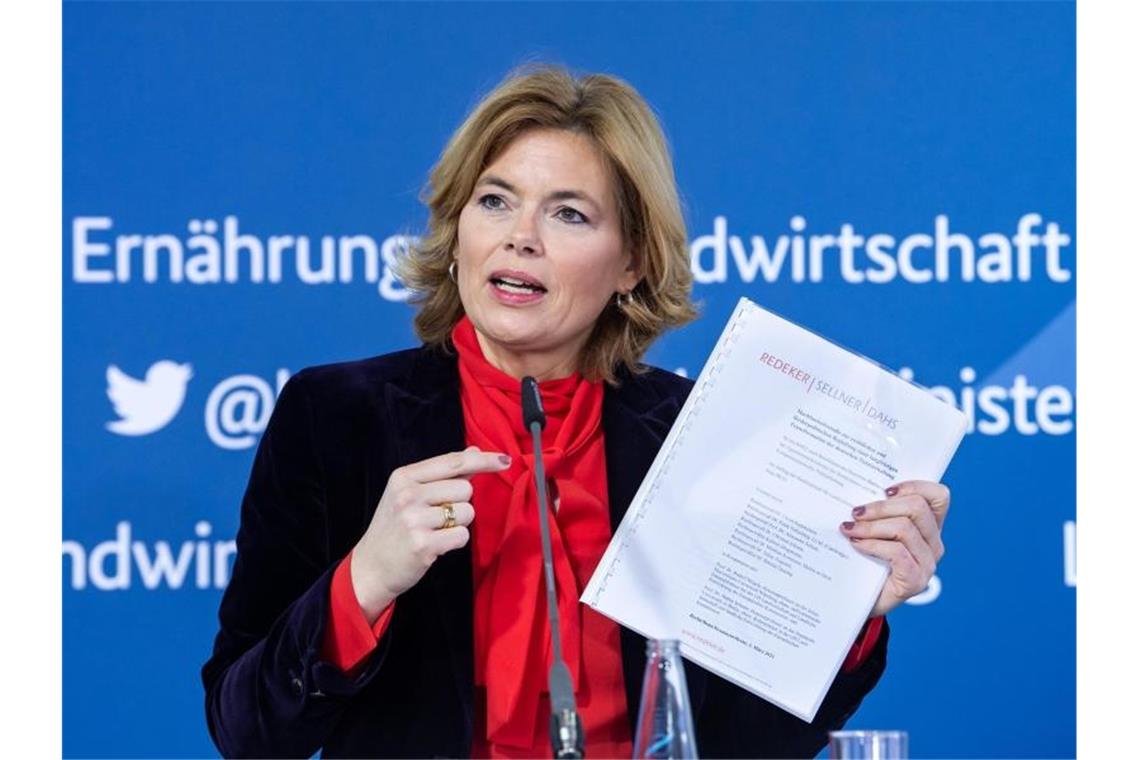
[(540, 252)]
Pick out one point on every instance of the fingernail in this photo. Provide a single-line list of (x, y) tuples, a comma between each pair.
[(858, 511), (506, 460), (892, 490), (848, 525)]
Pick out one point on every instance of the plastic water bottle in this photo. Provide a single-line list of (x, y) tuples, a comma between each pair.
[(664, 720)]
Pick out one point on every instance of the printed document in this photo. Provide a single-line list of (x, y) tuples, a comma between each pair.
[(732, 543)]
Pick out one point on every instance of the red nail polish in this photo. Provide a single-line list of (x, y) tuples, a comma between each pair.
[(858, 511), (892, 490), (848, 525)]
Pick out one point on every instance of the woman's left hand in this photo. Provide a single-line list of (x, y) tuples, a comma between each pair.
[(905, 529)]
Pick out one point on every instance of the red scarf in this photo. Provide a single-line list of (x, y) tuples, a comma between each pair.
[(512, 635)]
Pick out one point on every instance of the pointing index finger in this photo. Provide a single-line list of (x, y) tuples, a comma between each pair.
[(457, 464)]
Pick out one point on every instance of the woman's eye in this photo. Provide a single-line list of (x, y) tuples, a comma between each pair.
[(573, 216), (492, 202)]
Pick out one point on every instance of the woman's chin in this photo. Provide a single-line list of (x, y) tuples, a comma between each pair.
[(510, 322), (516, 334), (513, 336)]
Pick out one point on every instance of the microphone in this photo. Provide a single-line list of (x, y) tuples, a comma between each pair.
[(532, 405), (567, 737)]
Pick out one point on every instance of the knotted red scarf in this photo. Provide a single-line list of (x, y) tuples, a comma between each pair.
[(512, 634)]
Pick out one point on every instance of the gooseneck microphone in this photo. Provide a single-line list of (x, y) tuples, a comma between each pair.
[(567, 737)]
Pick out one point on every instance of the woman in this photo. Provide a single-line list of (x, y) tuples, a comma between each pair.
[(370, 613)]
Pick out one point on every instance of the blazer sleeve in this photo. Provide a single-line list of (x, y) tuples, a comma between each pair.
[(268, 693), (736, 723)]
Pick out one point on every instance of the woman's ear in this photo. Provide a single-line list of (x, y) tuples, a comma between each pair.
[(631, 275)]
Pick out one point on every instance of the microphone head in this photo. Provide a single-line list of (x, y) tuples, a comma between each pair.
[(532, 404)]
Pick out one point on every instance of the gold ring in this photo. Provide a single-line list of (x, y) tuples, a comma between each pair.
[(448, 515)]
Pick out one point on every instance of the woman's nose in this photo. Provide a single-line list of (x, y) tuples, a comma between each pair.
[(523, 238)]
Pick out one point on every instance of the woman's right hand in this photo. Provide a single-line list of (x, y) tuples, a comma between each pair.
[(405, 535)]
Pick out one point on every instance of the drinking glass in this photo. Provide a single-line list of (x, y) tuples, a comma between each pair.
[(868, 745)]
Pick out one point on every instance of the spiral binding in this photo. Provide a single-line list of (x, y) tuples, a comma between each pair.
[(705, 383)]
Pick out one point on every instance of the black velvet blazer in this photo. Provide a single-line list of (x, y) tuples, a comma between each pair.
[(336, 434)]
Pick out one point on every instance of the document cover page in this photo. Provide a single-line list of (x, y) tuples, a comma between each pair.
[(732, 543)]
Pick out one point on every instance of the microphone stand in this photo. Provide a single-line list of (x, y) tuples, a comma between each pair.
[(567, 737)]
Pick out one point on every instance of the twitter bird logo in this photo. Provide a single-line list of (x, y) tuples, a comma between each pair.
[(145, 406)]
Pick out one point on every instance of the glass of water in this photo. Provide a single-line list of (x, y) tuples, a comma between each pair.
[(868, 745)]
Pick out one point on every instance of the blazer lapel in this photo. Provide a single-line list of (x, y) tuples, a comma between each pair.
[(635, 427), (426, 410)]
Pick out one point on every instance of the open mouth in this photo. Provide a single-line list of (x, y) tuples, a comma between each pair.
[(517, 285)]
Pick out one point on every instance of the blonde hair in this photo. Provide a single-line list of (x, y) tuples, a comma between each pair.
[(626, 133)]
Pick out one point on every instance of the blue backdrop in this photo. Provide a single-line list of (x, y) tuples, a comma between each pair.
[(238, 176)]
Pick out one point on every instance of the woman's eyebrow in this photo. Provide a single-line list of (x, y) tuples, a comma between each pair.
[(491, 179), (570, 195)]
